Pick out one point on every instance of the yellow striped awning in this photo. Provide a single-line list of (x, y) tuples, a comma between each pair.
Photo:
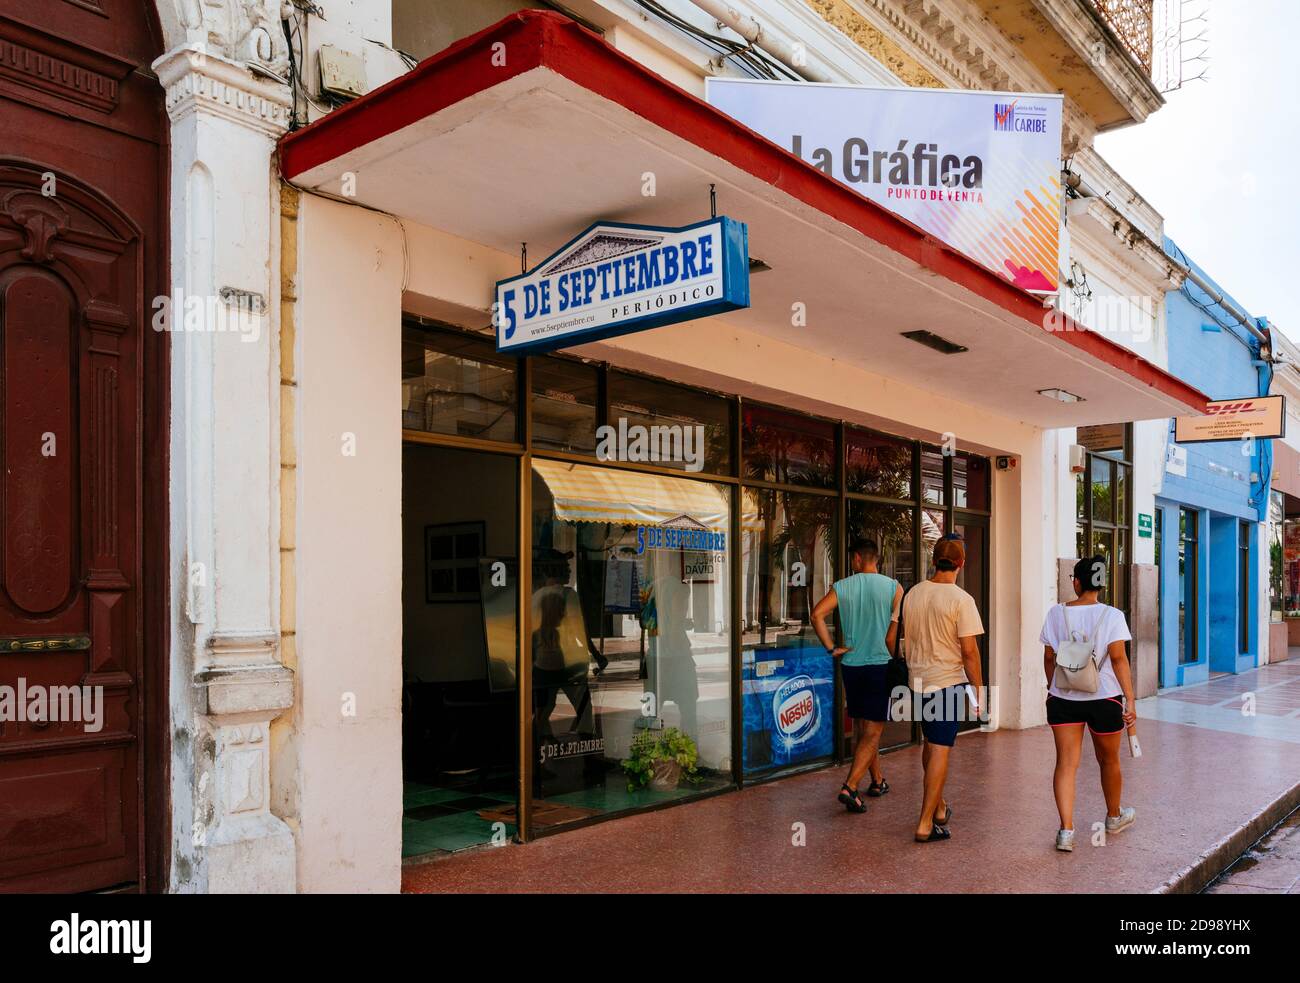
[(584, 493)]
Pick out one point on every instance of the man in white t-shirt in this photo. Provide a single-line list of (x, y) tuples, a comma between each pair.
[(1107, 712)]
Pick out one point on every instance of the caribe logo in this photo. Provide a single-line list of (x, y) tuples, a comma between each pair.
[(1004, 115), (795, 708)]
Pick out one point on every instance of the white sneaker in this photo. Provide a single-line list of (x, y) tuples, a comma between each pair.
[(1065, 840), (1127, 816)]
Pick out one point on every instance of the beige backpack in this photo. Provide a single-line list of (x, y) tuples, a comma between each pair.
[(1077, 662)]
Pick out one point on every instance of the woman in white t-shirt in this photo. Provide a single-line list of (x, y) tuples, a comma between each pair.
[(1107, 713)]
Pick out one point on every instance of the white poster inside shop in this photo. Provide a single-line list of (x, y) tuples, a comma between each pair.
[(980, 171)]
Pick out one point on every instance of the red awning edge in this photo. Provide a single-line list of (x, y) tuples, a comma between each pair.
[(544, 39)]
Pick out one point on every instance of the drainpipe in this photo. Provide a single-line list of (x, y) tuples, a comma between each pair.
[(1237, 314), (752, 31)]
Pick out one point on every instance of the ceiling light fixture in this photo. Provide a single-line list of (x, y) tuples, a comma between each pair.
[(931, 340), (1061, 395)]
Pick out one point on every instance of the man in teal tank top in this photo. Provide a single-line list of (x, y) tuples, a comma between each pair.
[(868, 603)]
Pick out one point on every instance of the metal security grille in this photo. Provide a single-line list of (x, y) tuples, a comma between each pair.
[(1131, 22)]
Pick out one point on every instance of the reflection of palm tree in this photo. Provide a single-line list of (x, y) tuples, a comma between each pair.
[(809, 520), (884, 469)]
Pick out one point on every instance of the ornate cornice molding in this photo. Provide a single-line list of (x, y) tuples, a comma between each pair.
[(32, 58), (199, 82)]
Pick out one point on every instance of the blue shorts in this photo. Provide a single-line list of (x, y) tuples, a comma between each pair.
[(866, 694), (941, 713)]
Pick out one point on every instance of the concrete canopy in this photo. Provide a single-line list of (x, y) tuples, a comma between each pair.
[(535, 127)]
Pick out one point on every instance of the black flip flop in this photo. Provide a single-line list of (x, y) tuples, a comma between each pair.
[(936, 834), (876, 790), (947, 817), (852, 801)]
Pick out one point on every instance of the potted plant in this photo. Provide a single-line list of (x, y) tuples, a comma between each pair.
[(660, 759)]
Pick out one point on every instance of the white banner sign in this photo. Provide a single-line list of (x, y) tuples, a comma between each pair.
[(980, 171)]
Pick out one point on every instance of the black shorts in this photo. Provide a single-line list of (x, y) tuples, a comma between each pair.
[(866, 693), (1104, 716)]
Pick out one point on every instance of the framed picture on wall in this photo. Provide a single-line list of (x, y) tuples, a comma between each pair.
[(451, 555)]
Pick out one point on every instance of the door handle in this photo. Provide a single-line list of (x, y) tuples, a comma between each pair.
[(44, 643)]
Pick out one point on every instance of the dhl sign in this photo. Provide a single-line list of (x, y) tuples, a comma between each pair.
[(1257, 417)]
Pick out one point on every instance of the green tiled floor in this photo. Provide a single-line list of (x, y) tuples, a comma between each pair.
[(446, 833)]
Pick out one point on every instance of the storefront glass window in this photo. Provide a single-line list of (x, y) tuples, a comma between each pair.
[(788, 680), (565, 395), (455, 383), (1243, 586), (1276, 590), (932, 485), (891, 527), (1291, 568), (970, 481), (933, 527), (878, 465), (631, 639), (788, 448), (695, 427), (1102, 490)]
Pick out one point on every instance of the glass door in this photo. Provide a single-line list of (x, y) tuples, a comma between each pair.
[(973, 578), (891, 526), (1188, 647)]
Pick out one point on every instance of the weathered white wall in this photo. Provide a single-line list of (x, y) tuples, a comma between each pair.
[(349, 583)]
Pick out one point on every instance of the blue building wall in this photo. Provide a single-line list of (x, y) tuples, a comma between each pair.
[(1214, 353)]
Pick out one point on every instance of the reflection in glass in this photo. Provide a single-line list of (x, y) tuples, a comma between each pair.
[(878, 465), (891, 527), (788, 448), (456, 383), (788, 680), (932, 491), (639, 402), (933, 522), (565, 393), (1276, 524), (970, 481), (1102, 498), (631, 635)]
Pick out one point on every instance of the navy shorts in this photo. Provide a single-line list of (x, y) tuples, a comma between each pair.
[(866, 694), (941, 712), (1104, 716)]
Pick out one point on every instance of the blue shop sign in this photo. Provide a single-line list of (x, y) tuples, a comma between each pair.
[(616, 278)]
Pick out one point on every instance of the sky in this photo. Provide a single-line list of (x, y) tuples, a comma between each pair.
[(1221, 160)]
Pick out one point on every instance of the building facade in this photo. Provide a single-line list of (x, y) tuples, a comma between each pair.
[(1210, 520), (395, 604)]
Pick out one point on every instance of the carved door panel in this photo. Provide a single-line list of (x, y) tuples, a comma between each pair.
[(80, 255), (68, 508)]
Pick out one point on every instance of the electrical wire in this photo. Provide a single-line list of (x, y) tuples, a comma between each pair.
[(751, 59)]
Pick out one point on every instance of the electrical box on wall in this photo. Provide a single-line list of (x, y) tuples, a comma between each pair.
[(342, 73), (1006, 463), (1078, 459)]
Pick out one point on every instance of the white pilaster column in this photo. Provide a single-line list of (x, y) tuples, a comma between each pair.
[(227, 682)]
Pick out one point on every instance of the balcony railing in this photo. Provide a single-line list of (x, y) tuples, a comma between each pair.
[(1131, 22)]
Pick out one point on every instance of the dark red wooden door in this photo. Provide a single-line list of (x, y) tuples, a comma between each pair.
[(81, 181)]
